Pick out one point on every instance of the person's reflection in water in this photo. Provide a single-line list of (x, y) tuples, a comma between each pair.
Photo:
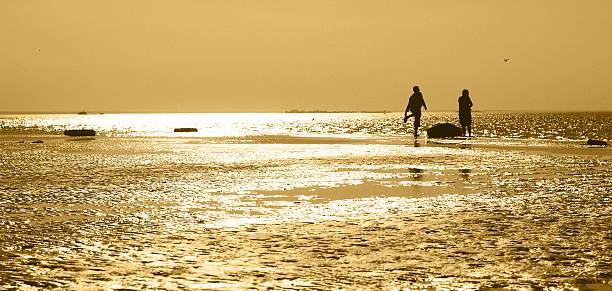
[(465, 173), (417, 173)]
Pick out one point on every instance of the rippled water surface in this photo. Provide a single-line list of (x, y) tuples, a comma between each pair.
[(304, 201), (572, 126)]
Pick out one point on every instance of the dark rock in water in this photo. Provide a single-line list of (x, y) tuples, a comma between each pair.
[(186, 129), (80, 132), (443, 130), (596, 142), (37, 141)]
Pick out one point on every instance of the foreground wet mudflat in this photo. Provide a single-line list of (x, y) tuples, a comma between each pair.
[(132, 215), (479, 242)]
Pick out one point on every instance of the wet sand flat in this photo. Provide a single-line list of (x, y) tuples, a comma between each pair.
[(172, 214)]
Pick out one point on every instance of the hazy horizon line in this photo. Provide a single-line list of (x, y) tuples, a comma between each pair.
[(292, 111)]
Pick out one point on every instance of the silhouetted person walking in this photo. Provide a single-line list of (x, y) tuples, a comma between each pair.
[(465, 112), (415, 102)]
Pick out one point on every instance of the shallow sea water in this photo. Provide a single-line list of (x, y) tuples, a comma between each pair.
[(304, 201)]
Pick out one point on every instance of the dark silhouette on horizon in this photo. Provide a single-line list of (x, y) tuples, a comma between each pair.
[(465, 112), (415, 102)]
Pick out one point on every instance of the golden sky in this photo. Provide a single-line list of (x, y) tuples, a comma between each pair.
[(261, 55)]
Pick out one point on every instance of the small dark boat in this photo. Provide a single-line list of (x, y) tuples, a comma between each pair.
[(80, 132)]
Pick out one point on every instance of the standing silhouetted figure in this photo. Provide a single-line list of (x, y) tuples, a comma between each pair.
[(415, 103), (465, 112)]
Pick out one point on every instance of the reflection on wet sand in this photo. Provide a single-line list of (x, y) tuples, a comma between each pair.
[(464, 174), (411, 186), (417, 173), (167, 214)]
